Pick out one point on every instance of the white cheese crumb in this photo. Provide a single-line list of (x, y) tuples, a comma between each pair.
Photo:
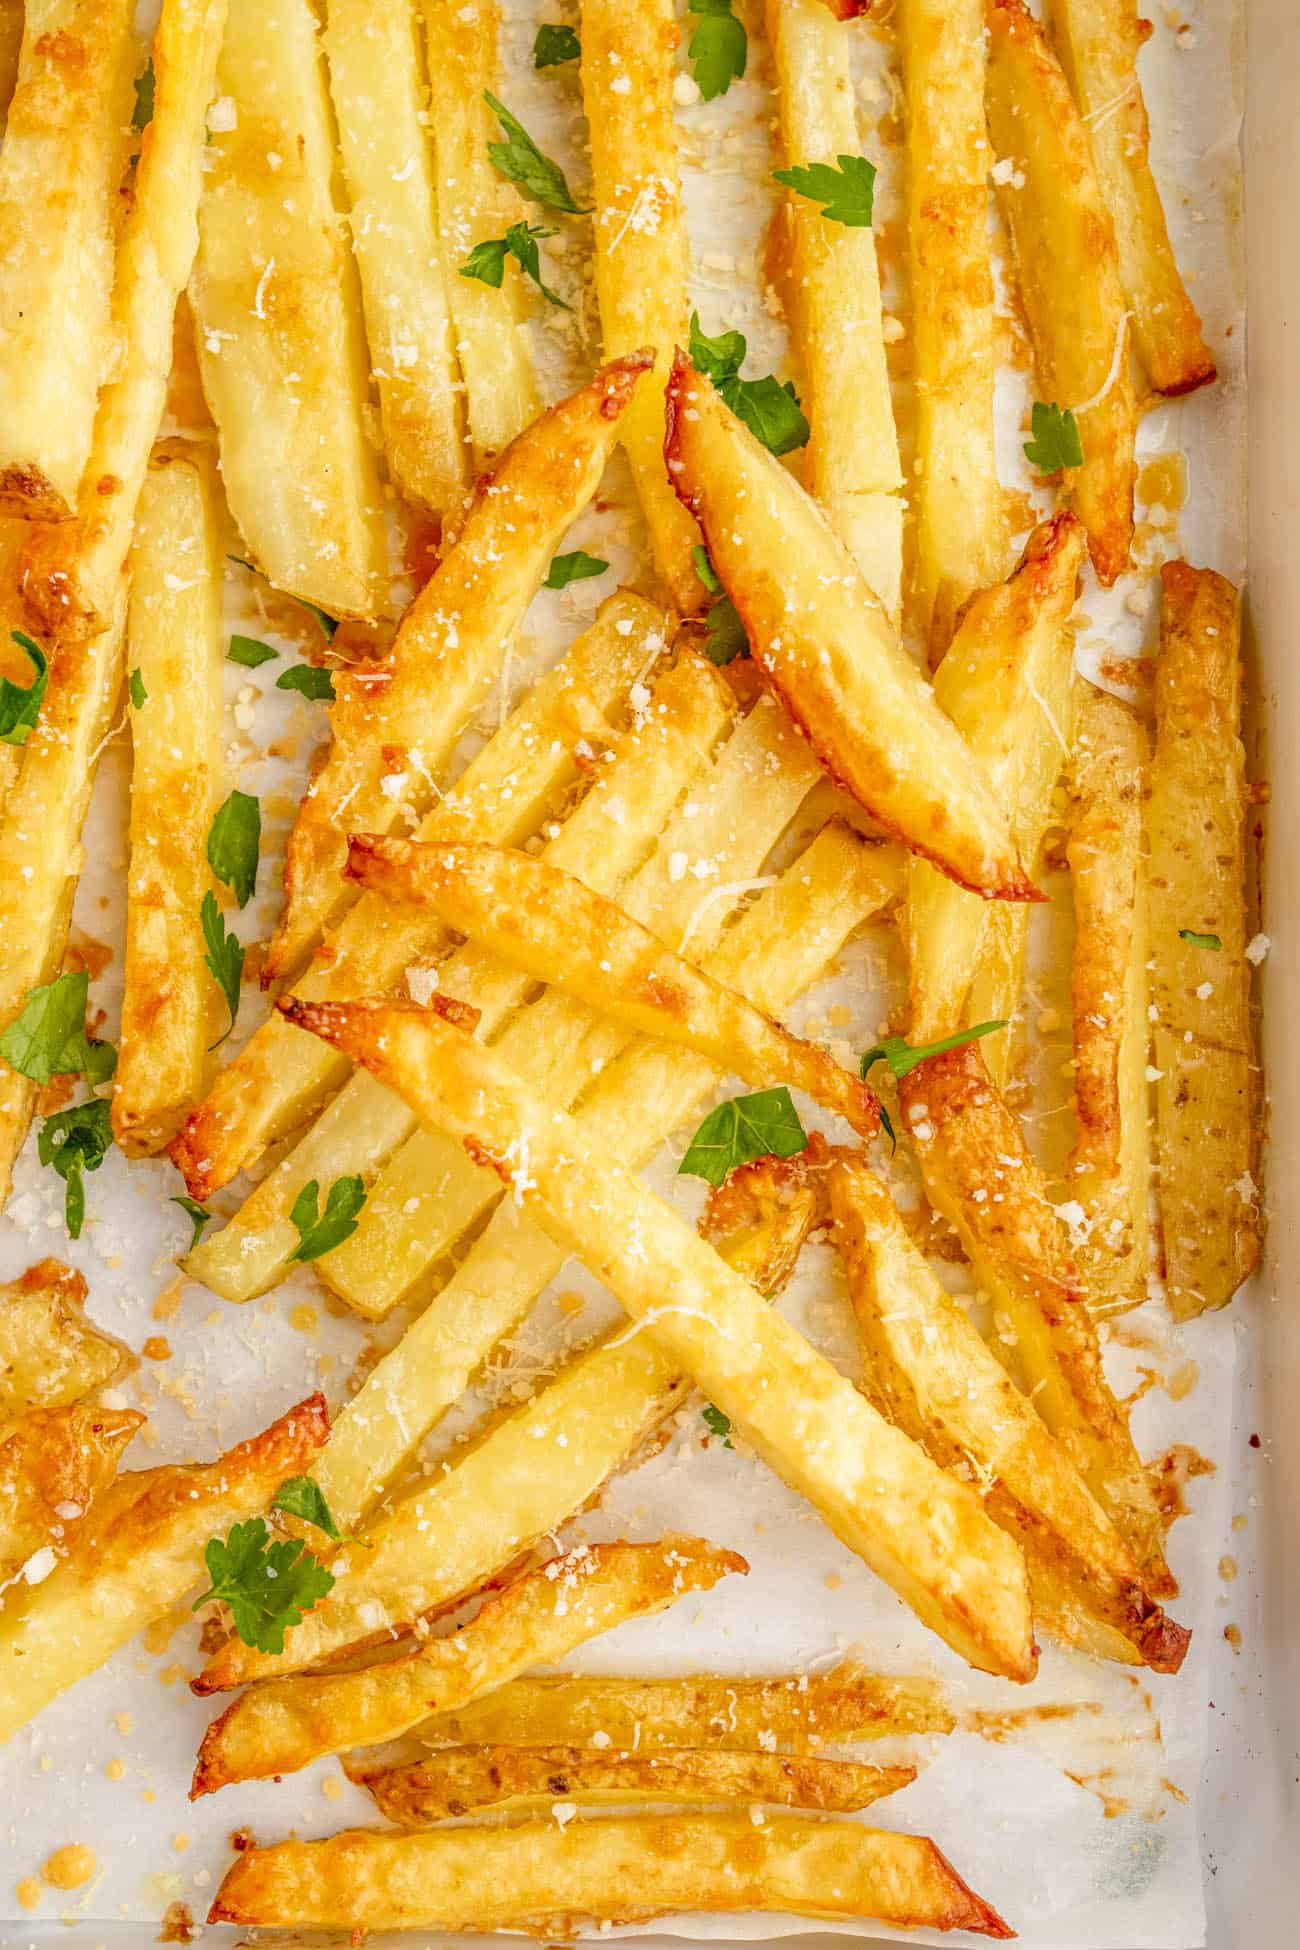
[(1256, 949), (223, 116)]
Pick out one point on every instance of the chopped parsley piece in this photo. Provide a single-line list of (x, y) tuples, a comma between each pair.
[(234, 844), (267, 1586), (1210, 941), (76, 1141), (520, 160), (555, 45), (717, 1423), (139, 695), (845, 190), (725, 637), (487, 261), (145, 89), (302, 1496), (744, 1128), (320, 1232), (47, 1038), (576, 567), (19, 708), (719, 47), (250, 651), (198, 1216), (1056, 441), (770, 410), (309, 680), (225, 958), (903, 1056)]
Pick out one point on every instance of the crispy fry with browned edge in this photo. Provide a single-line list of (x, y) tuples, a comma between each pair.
[(1005, 682), (52, 1467), (761, 1215), (1196, 833), (141, 1552), (1110, 1168), (1098, 42), (543, 1615), (629, 66), (925, 1534), (979, 1174), (531, 914), (11, 41), (543, 1878), (961, 527), (395, 724), (827, 648), (928, 1369), (1068, 272), (50, 1354), (465, 1780)]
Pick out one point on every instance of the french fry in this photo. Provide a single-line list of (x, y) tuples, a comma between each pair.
[(54, 1464), (140, 1553), (1068, 271), (1196, 834), (979, 1174), (1110, 1169), (65, 149), (14, 661), (73, 571), (377, 82), (538, 1619), (11, 42), (621, 1868), (827, 648), (1005, 682), (50, 1354), (762, 1214), (394, 725), (1098, 45), (518, 778), (278, 310), (474, 205), (961, 527), (171, 1006)]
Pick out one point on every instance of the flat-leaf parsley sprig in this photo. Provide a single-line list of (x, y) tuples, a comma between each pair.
[(845, 189), (769, 409), (1056, 443), (20, 706), (268, 1587), (320, 1232), (719, 49), (763, 1125), (724, 633), (520, 160), (487, 261)]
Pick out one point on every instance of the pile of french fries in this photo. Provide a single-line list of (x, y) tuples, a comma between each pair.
[(499, 987)]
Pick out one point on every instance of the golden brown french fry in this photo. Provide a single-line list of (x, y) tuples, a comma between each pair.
[(829, 651), (52, 1467), (65, 149), (278, 311), (377, 82), (1098, 42), (1110, 1169), (538, 1619), (50, 1354), (140, 1553), (961, 527), (395, 724), (761, 1215), (1196, 834), (621, 1868), (1068, 272), (11, 41), (629, 66)]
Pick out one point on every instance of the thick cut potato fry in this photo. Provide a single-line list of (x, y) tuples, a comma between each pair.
[(1068, 271), (629, 66), (961, 527), (60, 172), (377, 81), (394, 725), (1110, 1169), (475, 205), (465, 1780), (519, 777), (760, 1217), (171, 1006), (73, 572), (278, 311), (931, 1373), (11, 42), (979, 1173), (52, 1468), (1196, 834), (50, 1354), (1098, 42), (829, 651), (537, 1620), (1005, 682), (141, 1552), (541, 1876)]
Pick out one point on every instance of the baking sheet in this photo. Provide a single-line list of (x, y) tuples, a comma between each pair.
[(1108, 1859)]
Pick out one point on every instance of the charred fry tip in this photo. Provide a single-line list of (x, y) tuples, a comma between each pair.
[(1162, 1642), (617, 380), (208, 1774), (1204, 374)]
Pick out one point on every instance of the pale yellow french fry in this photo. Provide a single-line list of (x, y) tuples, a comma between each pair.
[(377, 83), (1068, 271), (1206, 1089), (52, 1467), (50, 1354), (394, 725), (278, 310), (65, 149)]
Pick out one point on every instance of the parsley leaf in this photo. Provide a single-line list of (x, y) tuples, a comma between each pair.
[(250, 651), (234, 843), (308, 679), (725, 637), (846, 192), (1210, 941), (1056, 441), (555, 45), (302, 1496), (520, 159), (267, 1586), (139, 695), (225, 958), (47, 1038), (19, 708), (320, 1232), (742, 1129), (487, 261), (719, 47), (903, 1056), (142, 114), (75, 1141), (887, 1126), (770, 410), (576, 567), (327, 622), (198, 1216), (717, 1423)]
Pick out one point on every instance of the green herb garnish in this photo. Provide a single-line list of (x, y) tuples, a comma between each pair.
[(744, 1128)]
